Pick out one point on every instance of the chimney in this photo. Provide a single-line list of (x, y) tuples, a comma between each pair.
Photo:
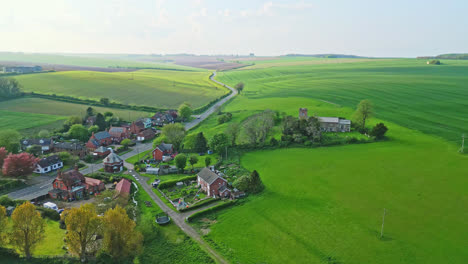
[(59, 174), (76, 166)]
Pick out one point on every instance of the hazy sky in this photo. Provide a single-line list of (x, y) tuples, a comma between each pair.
[(361, 27)]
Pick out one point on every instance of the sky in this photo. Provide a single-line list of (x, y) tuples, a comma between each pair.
[(379, 28)]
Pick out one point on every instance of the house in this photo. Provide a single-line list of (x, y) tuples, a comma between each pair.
[(236, 194), (334, 124), (212, 183), (91, 120), (68, 185), (113, 163), (119, 133), (102, 138), (94, 186), (160, 119), (73, 148), (303, 113), (137, 126), (147, 122), (46, 144), (146, 134), (162, 150), (48, 164), (123, 188), (101, 152)]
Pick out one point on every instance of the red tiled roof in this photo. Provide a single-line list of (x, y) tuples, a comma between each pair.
[(123, 187), (92, 182)]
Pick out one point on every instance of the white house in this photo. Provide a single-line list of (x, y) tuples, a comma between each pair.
[(45, 143), (335, 124), (48, 164)]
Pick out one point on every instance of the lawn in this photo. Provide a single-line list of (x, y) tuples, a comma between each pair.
[(156, 88), (19, 120), (138, 157)]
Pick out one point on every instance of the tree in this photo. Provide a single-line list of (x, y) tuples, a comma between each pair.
[(363, 112), (121, 240), (35, 150), (9, 88), (107, 114), (19, 164), (256, 184), (126, 142), (3, 155), (9, 139), (104, 101), (79, 132), (3, 223), (185, 111), (181, 161), (93, 129), (207, 161), (257, 127), (27, 230), (175, 134), (233, 131), (83, 225), (219, 142), (242, 183), (101, 122), (239, 87), (379, 131), (200, 143), (67, 158), (43, 134), (193, 160), (89, 112)]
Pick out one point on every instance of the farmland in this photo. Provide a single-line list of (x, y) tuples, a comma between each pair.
[(20, 121), (156, 88)]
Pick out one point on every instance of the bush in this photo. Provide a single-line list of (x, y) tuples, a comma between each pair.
[(273, 142), (211, 210), (49, 213)]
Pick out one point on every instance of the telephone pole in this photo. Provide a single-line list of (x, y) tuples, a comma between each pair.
[(462, 149), (383, 222)]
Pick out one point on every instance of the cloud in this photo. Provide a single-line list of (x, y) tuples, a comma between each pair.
[(203, 12), (226, 12), (266, 9), (298, 5)]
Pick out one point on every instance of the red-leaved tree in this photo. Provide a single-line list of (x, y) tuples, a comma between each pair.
[(3, 155), (19, 164)]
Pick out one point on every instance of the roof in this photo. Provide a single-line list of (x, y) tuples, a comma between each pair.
[(36, 141), (116, 130), (163, 147), (102, 135), (208, 176), (49, 161), (345, 122), (123, 187), (328, 119), (102, 149), (112, 158), (147, 133), (92, 182), (223, 188), (91, 119), (139, 123), (68, 145), (70, 177)]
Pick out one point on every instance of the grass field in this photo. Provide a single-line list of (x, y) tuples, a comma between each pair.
[(21, 121), (432, 99), (156, 88)]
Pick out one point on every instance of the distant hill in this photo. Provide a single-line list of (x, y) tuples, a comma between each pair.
[(450, 56), (341, 56)]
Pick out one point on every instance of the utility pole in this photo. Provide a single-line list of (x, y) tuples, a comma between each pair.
[(383, 222), (462, 150)]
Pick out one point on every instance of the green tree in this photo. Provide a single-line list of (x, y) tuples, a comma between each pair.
[(126, 142), (10, 140), (79, 132), (201, 145), (83, 225), (219, 142), (104, 101), (181, 161), (255, 185), (207, 161), (89, 112), (193, 160), (107, 114), (101, 122), (233, 131), (43, 134), (242, 183), (67, 158), (35, 150), (3, 224), (185, 111), (9, 88), (239, 87), (93, 129), (379, 131), (175, 134), (363, 112), (27, 230)]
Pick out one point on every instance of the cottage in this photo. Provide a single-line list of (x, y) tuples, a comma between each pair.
[(48, 164), (160, 119), (137, 126), (162, 150), (94, 186), (212, 183), (73, 148), (101, 152), (91, 120), (146, 134), (102, 138), (123, 188), (334, 124), (73, 185), (113, 163), (119, 133), (45, 143)]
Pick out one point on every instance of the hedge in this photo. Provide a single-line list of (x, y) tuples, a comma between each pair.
[(171, 183), (211, 210), (49, 213), (199, 204)]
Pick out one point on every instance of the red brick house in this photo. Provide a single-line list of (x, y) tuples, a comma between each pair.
[(212, 183), (146, 134), (123, 188), (119, 133), (137, 126), (162, 150), (73, 185), (113, 163), (102, 138), (101, 152)]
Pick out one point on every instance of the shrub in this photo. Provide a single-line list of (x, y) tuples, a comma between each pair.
[(273, 142), (49, 213)]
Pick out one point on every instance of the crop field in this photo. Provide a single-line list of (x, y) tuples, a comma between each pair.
[(156, 88), (20, 121), (429, 98)]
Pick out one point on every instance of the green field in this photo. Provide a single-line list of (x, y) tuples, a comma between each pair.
[(156, 88), (21, 121), (325, 205), (432, 99)]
